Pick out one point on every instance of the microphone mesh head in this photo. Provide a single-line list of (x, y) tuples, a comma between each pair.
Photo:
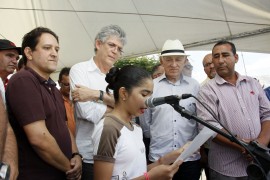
[(149, 102)]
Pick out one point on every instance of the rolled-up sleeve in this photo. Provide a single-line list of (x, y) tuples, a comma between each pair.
[(90, 111)]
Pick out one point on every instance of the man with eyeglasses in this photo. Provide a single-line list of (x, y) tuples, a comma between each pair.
[(65, 91), (88, 85), (209, 68), (157, 71), (167, 129)]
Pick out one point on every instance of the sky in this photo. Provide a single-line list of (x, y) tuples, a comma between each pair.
[(252, 64)]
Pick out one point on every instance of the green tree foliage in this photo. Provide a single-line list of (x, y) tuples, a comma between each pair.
[(145, 62)]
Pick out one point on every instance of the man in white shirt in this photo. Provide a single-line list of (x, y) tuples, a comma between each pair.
[(88, 85), (168, 130)]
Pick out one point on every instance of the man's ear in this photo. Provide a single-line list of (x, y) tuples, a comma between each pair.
[(236, 58), (28, 53), (98, 44), (161, 60)]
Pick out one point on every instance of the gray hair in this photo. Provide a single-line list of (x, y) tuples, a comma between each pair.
[(108, 31)]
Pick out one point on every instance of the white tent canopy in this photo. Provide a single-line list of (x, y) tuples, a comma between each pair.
[(148, 23)]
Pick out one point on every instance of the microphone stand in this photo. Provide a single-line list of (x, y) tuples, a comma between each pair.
[(258, 170)]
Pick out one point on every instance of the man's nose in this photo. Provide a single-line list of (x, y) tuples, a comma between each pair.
[(221, 59), (173, 63), (14, 60)]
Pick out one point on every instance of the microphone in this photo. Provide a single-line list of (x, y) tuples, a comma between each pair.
[(262, 154), (153, 102)]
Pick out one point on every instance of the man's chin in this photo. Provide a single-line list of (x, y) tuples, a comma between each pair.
[(52, 69)]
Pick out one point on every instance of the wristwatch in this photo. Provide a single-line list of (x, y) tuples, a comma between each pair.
[(76, 154), (101, 95)]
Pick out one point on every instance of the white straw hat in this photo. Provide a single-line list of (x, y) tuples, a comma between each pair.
[(173, 47)]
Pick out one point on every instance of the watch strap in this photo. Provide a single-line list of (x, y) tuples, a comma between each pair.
[(75, 154), (101, 95)]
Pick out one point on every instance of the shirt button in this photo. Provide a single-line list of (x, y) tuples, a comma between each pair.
[(174, 133)]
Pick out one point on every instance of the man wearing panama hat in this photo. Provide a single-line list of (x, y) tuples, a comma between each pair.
[(168, 129)]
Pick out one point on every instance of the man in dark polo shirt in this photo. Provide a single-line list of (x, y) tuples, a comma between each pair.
[(47, 149)]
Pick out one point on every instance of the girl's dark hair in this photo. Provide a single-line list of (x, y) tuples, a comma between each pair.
[(128, 77)]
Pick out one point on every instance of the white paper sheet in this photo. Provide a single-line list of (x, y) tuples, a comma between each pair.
[(199, 140)]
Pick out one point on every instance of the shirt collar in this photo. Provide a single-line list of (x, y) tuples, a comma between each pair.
[(92, 66), (220, 80), (42, 80), (182, 78)]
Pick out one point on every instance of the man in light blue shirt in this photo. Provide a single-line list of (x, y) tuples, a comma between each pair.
[(167, 129)]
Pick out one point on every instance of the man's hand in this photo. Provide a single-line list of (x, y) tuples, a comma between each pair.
[(14, 172), (245, 152), (76, 168)]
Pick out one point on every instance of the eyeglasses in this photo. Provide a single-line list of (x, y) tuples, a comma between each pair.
[(114, 46), (65, 84), (207, 64)]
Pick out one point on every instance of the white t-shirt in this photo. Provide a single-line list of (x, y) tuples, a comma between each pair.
[(2, 90), (119, 144)]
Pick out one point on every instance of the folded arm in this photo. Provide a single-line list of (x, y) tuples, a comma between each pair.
[(82, 94)]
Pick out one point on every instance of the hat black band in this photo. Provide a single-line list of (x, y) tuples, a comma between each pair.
[(173, 51)]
